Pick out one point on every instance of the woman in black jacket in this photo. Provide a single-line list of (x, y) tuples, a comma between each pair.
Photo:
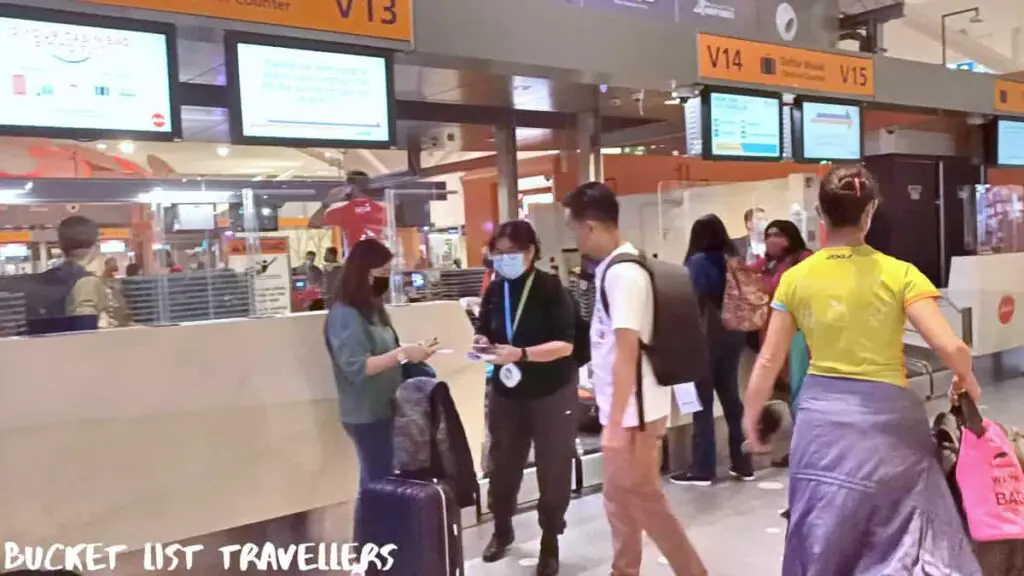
[(527, 322)]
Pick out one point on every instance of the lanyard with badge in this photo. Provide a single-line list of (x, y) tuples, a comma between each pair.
[(510, 374)]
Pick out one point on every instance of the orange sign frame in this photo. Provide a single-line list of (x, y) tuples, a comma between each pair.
[(1008, 96), (386, 19), (267, 245), (749, 62)]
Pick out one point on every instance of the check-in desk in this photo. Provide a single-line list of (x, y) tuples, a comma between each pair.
[(992, 286), (163, 434)]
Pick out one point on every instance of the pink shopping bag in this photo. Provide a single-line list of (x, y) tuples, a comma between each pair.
[(991, 485)]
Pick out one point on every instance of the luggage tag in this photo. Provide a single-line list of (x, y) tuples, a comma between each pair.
[(510, 375)]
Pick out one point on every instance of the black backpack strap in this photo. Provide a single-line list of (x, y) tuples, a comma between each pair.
[(639, 391)]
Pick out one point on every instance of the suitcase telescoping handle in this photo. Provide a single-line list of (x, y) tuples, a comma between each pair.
[(968, 416)]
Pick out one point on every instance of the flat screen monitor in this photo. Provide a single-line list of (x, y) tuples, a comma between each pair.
[(79, 76), (193, 217), (1009, 142), (265, 221), (301, 93), (742, 125), (828, 131)]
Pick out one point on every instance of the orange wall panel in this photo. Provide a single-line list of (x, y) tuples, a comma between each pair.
[(642, 174), (480, 200), (1005, 176)]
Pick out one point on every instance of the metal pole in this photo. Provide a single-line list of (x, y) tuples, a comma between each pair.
[(944, 16)]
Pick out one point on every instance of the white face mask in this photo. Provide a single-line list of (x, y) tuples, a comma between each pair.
[(510, 266)]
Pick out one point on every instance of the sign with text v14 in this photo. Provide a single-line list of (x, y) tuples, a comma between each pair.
[(387, 19), (747, 62), (1009, 96)]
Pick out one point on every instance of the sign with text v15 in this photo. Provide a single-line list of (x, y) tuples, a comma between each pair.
[(734, 60), (1009, 96), (387, 19)]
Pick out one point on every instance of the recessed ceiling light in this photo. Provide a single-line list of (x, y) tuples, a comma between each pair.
[(673, 102), (126, 147), (101, 146)]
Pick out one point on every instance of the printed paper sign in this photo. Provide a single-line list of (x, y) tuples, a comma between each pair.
[(686, 398)]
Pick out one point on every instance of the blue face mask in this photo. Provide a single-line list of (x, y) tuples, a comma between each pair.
[(510, 266)]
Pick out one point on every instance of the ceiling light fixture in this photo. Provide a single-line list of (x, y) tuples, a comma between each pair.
[(673, 102), (126, 147), (101, 146), (223, 151)]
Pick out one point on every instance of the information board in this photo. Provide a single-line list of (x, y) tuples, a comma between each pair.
[(830, 131), (70, 80), (298, 96), (1009, 142), (742, 126)]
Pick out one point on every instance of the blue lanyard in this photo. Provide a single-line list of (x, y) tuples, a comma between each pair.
[(510, 324)]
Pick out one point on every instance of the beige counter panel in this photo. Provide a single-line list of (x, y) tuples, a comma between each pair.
[(161, 434)]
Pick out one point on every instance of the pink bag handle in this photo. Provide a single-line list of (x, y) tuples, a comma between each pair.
[(968, 416)]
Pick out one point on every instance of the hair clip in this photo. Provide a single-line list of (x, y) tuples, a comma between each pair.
[(856, 185)]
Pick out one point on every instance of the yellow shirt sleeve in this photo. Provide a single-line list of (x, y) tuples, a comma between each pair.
[(917, 286), (783, 300)]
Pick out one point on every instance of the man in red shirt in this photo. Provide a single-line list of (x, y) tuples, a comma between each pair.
[(350, 208)]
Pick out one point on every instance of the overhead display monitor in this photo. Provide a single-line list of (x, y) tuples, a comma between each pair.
[(828, 131), (1009, 142), (302, 93), (741, 125), (79, 76)]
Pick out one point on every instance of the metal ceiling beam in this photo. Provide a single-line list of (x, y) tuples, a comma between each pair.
[(645, 133), (927, 24)]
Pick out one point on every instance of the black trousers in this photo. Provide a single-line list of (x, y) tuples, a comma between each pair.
[(549, 424)]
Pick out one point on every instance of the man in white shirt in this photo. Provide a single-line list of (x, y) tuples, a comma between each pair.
[(633, 496)]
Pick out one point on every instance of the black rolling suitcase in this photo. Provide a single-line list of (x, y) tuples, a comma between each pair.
[(421, 518)]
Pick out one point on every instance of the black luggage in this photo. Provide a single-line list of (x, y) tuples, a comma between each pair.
[(422, 519)]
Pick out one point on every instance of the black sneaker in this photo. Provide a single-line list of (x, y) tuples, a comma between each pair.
[(691, 479), (497, 548), (744, 475)]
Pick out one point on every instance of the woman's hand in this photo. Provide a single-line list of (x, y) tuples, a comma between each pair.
[(481, 340), (751, 424), (966, 383), (506, 355), (416, 353)]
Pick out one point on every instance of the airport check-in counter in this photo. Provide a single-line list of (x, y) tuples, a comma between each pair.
[(143, 434)]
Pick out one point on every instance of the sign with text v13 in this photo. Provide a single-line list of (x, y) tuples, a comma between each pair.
[(387, 19), (1009, 96), (734, 60)]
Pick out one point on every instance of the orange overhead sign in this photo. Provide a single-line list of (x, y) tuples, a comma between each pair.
[(388, 19), (15, 236), (1009, 96), (748, 62), (115, 233)]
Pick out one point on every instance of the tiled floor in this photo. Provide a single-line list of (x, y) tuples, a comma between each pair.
[(735, 526)]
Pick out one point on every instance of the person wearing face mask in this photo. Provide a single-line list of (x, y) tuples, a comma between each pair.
[(785, 248), (866, 493), (367, 357), (527, 322)]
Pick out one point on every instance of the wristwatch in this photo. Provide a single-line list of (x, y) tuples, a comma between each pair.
[(525, 357)]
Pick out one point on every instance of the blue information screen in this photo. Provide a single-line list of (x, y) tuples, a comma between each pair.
[(745, 126), (1010, 142), (831, 131)]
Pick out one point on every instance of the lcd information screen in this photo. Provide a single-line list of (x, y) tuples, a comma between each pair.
[(57, 78), (301, 95), (1010, 142), (830, 131), (744, 126)]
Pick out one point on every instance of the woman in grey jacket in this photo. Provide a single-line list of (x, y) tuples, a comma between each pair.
[(367, 357)]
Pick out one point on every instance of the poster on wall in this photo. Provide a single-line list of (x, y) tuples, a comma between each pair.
[(270, 269)]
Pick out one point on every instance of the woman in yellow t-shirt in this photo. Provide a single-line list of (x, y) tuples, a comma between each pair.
[(866, 493)]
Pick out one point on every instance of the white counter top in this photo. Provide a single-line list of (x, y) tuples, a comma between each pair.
[(158, 434)]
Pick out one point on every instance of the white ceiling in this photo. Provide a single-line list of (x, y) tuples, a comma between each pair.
[(996, 43)]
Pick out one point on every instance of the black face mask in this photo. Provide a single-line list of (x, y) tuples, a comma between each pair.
[(380, 285)]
